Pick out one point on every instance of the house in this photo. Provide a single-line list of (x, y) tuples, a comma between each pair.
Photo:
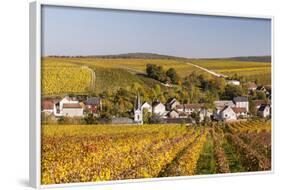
[(138, 114), (190, 108), (227, 114), (205, 113), (233, 82), (173, 114), (146, 106), (158, 108), (183, 115), (259, 103), (68, 106), (48, 106), (180, 108), (241, 102), (251, 86), (262, 88), (240, 112), (72, 110), (222, 103), (171, 104), (264, 111), (93, 104)]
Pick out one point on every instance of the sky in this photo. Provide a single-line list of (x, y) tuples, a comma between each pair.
[(83, 31)]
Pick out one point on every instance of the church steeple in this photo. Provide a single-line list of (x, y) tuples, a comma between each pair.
[(138, 102), (138, 115)]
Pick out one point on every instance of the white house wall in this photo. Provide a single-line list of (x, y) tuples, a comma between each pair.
[(159, 109), (72, 112)]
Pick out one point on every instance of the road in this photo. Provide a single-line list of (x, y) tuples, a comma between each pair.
[(207, 70)]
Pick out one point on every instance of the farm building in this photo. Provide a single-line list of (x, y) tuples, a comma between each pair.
[(93, 104), (259, 103), (205, 113), (47, 106), (264, 111), (222, 103), (241, 102), (173, 114), (183, 115), (227, 114), (233, 82), (68, 106), (171, 104), (158, 108), (251, 86), (190, 108), (240, 112), (146, 106), (72, 110)]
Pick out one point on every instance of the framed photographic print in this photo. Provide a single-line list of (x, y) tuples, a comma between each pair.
[(133, 95)]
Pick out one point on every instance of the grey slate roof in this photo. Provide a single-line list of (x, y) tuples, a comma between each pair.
[(262, 107), (92, 101), (240, 99)]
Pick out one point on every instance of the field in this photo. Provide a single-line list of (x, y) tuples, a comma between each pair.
[(61, 77), (83, 153), (250, 70), (85, 75), (108, 74)]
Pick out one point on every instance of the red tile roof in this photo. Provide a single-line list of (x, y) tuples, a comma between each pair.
[(239, 110), (47, 104), (72, 106), (193, 106)]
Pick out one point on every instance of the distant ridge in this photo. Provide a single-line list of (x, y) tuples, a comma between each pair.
[(266, 58), (128, 56), (253, 58), (138, 55)]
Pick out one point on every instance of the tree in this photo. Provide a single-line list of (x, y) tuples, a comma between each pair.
[(252, 107), (173, 76), (196, 117), (232, 91), (89, 119), (260, 95), (146, 116), (193, 79), (161, 75), (156, 72)]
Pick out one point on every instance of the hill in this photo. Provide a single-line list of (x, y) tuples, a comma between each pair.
[(83, 74), (253, 58), (138, 56)]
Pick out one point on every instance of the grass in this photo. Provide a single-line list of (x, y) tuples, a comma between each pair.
[(249, 70), (112, 79), (233, 158), (206, 163)]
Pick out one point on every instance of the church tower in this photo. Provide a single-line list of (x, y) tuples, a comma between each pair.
[(138, 115)]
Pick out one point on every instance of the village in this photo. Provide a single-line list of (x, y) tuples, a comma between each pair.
[(156, 111)]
